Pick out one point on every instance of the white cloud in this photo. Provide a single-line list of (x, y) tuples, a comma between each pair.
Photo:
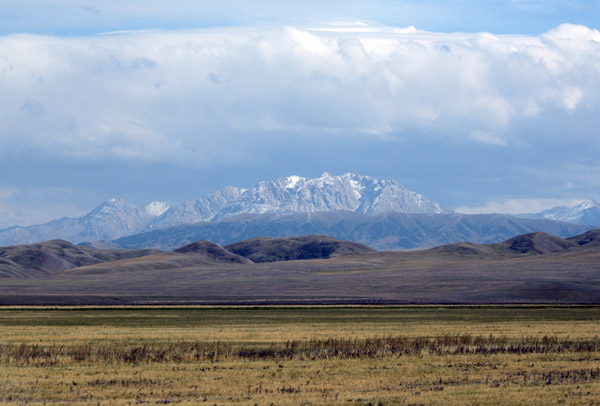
[(189, 95), (487, 138), (571, 98), (517, 206)]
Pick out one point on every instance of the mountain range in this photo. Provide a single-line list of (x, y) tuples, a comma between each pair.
[(114, 218), (377, 212), (293, 194), (586, 212), (389, 231)]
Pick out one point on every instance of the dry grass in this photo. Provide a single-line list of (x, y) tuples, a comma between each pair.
[(359, 356)]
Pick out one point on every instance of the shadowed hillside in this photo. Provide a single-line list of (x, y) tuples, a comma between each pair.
[(264, 249), (204, 253), (537, 243), (198, 254), (212, 252), (590, 238), (51, 257), (530, 244)]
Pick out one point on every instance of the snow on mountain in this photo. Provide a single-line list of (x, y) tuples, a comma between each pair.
[(295, 194), (155, 209), (112, 219), (193, 211), (585, 212), (115, 217)]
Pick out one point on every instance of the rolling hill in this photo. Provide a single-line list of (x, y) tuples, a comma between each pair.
[(531, 268), (265, 249), (51, 257)]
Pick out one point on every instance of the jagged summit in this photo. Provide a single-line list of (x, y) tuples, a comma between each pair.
[(296, 194), (293, 194), (155, 209)]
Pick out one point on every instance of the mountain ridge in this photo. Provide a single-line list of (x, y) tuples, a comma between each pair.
[(390, 231), (112, 219), (585, 212), (116, 218), (296, 194), (283, 198)]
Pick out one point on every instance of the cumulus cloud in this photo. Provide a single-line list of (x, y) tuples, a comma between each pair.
[(193, 95)]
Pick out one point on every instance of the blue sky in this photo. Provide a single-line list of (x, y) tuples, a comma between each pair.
[(479, 105)]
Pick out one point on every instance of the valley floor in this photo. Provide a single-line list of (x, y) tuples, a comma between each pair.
[(292, 356)]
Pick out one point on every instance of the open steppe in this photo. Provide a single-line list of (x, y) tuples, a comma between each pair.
[(483, 355)]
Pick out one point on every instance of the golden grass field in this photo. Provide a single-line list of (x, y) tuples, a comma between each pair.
[(301, 356)]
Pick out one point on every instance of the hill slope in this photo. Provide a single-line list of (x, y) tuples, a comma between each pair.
[(264, 249), (204, 253), (198, 254), (51, 257)]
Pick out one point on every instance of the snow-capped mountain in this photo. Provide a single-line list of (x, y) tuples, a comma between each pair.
[(114, 218), (586, 212), (295, 194), (155, 209)]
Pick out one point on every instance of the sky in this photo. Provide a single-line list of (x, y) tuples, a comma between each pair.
[(482, 106)]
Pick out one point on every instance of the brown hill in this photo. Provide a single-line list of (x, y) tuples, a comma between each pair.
[(527, 244), (537, 243), (468, 250), (212, 252), (198, 254), (51, 257), (590, 238), (265, 249)]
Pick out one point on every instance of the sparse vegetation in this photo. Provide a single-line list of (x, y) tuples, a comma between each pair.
[(289, 356)]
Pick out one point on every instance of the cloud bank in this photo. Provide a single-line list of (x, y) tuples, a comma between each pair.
[(202, 96), (518, 206)]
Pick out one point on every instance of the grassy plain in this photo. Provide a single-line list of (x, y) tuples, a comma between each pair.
[(292, 356)]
